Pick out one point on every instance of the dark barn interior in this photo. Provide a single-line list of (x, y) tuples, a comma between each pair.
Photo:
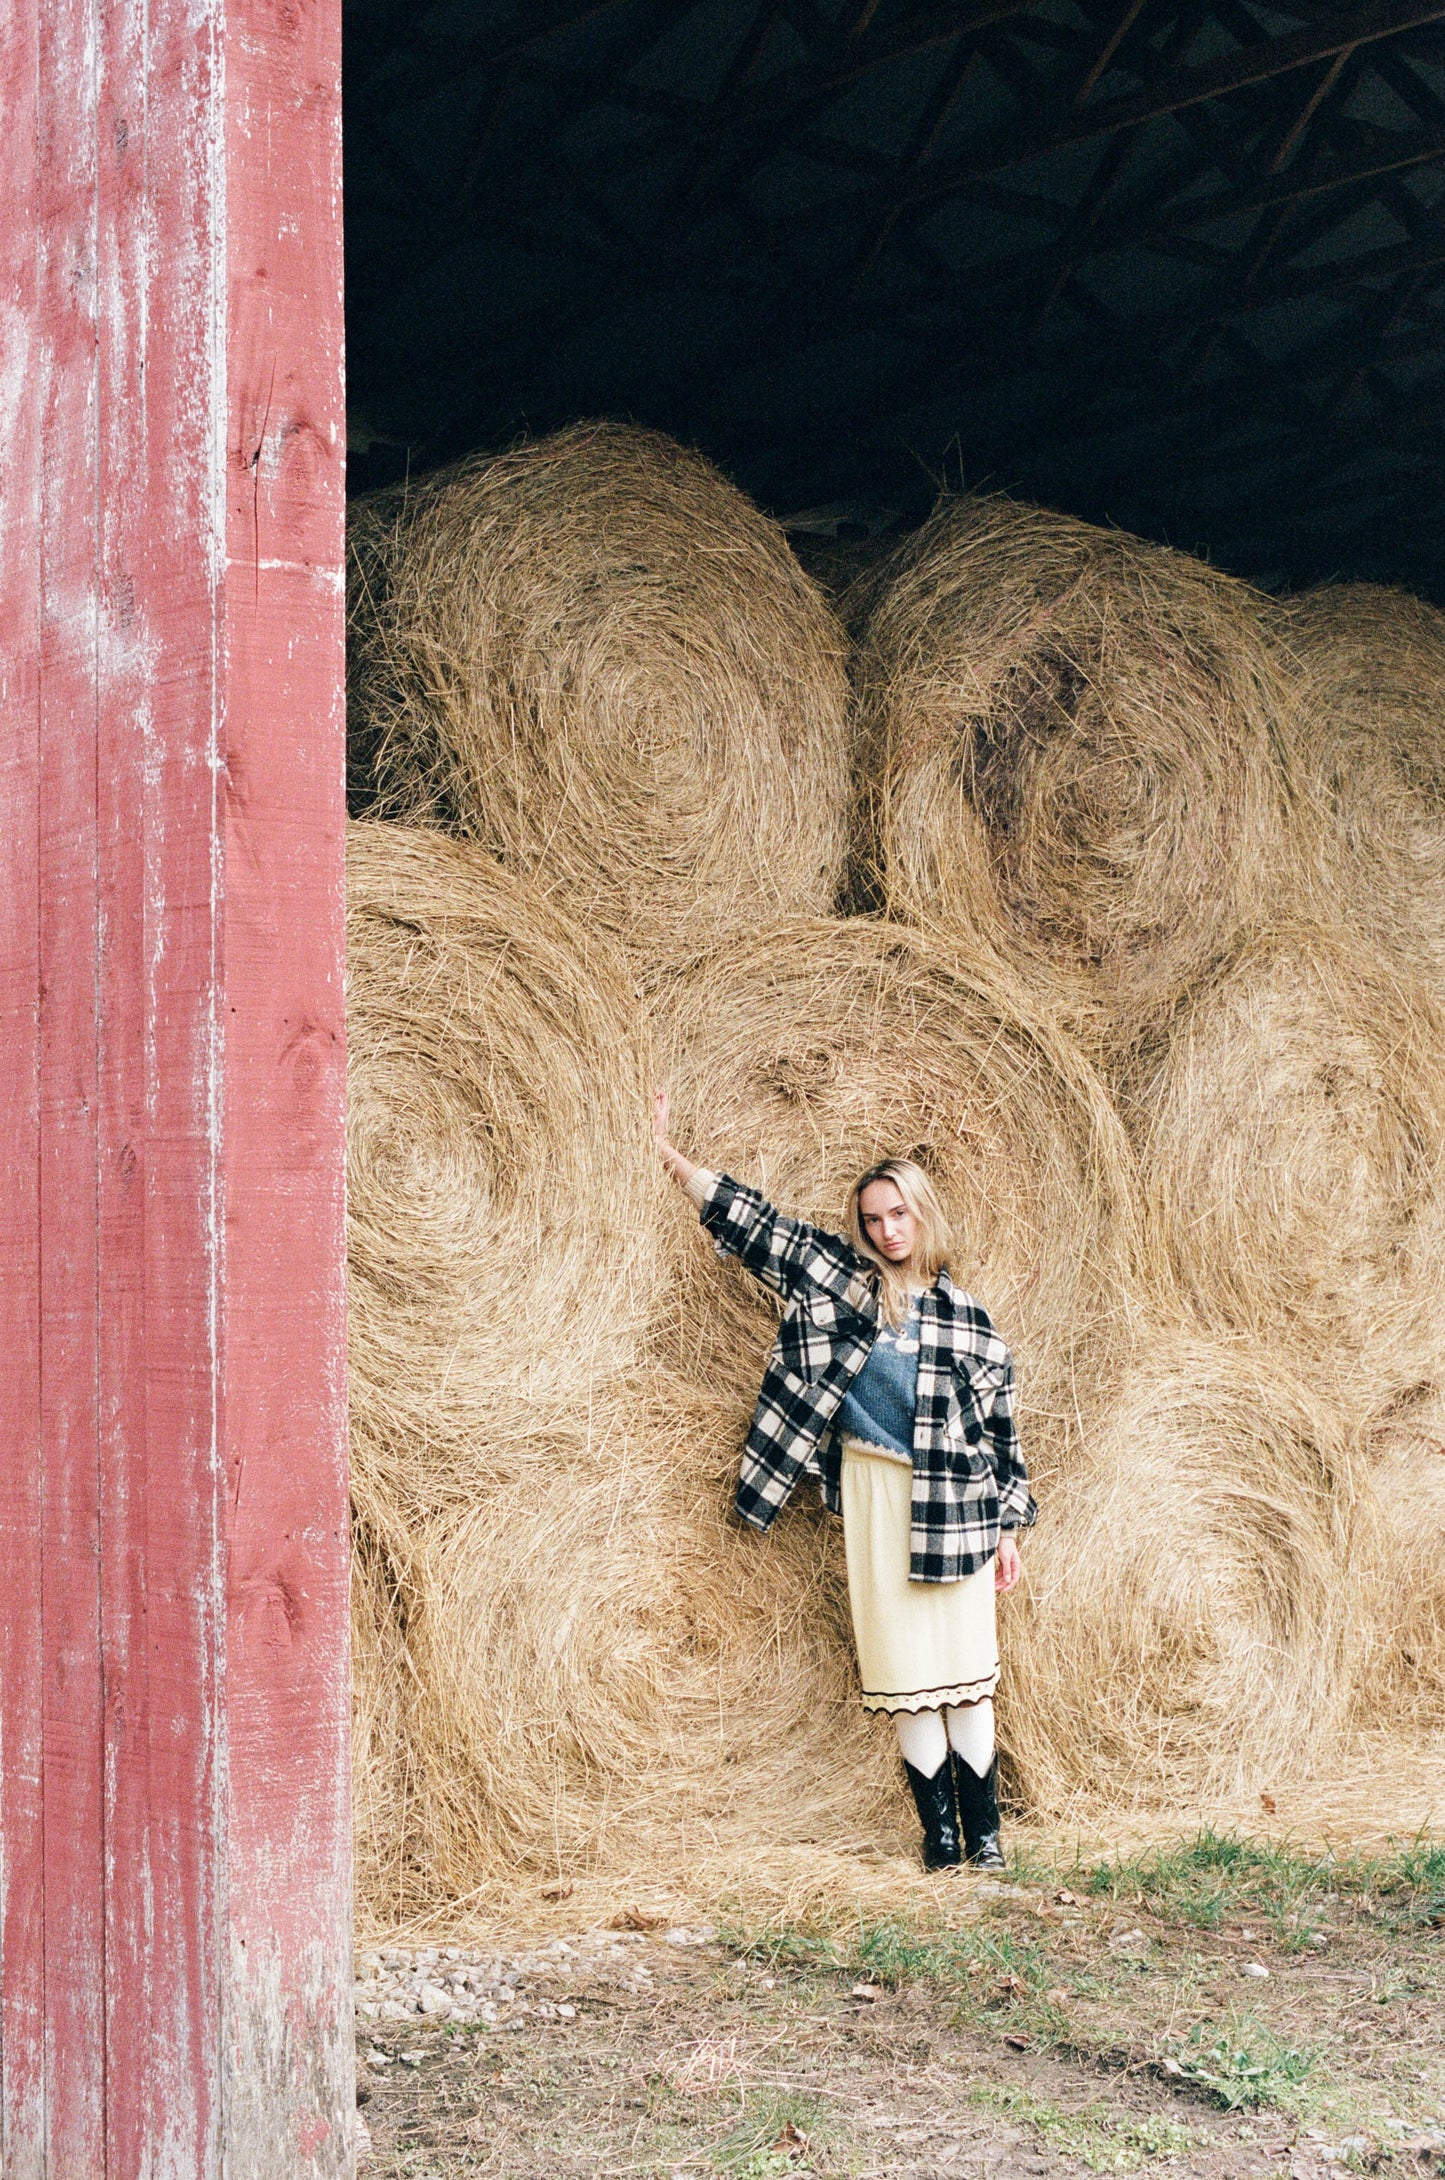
[(1177, 265)]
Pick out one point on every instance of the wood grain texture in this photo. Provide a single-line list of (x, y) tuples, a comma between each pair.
[(22, 1949), (289, 2064), (174, 1858)]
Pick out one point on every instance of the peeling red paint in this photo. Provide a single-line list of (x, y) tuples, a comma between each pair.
[(174, 1897)]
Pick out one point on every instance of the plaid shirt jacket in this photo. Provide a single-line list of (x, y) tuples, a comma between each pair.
[(969, 1481)]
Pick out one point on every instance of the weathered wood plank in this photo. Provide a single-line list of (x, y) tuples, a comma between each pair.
[(158, 697), (174, 1924), (22, 1993), (70, 1300), (284, 817)]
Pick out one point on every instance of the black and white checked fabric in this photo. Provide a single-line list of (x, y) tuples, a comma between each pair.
[(969, 1480)]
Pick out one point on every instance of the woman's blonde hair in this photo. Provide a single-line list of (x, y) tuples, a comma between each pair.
[(930, 1252)]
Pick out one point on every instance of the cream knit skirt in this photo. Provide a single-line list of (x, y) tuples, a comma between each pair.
[(920, 1644)]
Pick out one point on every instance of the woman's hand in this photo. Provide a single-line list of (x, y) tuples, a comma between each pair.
[(682, 1169), (1007, 1566)]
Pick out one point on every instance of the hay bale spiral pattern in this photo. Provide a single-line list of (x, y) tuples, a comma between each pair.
[(1192, 1622), (1069, 743), (502, 1205), (1369, 738), (802, 1055), (1291, 1138), (613, 1678), (597, 659)]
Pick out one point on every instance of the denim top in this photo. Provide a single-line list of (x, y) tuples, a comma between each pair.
[(879, 1405)]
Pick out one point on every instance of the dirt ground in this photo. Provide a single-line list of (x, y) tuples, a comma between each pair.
[(1225, 2007)]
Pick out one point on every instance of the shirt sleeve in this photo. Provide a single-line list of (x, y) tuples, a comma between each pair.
[(1016, 1508), (699, 1185), (786, 1254)]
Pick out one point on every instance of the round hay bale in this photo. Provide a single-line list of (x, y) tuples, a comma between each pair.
[(1191, 1625), (1405, 1568), (1369, 737), (615, 1678), (1068, 743), (503, 1196), (799, 1056), (597, 659), (1290, 1133)]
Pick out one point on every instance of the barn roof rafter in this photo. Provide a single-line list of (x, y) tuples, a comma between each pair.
[(827, 240)]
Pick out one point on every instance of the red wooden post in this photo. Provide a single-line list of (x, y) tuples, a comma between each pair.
[(174, 1857)]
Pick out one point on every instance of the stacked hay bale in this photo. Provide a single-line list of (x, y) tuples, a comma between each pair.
[(1369, 740), (614, 1679), (596, 659), (1291, 1135), (600, 670), (502, 1221), (1069, 750), (1188, 1129), (1368, 737), (502, 1192), (561, 1646), (1192, 1620), (1103, 761), (804, 1053)]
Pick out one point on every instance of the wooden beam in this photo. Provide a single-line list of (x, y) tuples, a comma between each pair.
[(174, 1912), (23, 2083), (1100, 64), (1103, 393), (372, 50), (1173, 91)]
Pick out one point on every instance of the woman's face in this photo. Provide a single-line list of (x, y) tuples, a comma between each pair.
[(891, 1227)]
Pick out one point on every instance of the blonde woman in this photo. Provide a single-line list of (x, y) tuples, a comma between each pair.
[(889, 1385)]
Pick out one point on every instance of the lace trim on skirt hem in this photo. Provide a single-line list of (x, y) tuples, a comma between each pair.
[(933, 1699)]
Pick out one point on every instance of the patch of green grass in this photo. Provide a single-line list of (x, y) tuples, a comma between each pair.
[(893, 1953), (1218, 1877), (1420, 1867), (771, 2138), (1103, 2140), (1208, 1879), (1242, 2064), (975, 1959), (782, 1947)]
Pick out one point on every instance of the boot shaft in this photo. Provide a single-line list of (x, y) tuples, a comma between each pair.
[(933, 1799), (978, 1813)]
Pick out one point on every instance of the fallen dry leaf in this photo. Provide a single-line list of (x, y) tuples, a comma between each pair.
[(636, 1918), (1268, 1804), (1020, 2042), (870, 1993), (792, 2141), (561, 1888), (1066, 1898), (1057, 1997)]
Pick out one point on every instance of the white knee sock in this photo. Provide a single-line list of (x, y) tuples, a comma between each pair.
[(922, 1739), (970, 1732)]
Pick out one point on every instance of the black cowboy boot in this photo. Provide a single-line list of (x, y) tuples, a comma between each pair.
[(933, 1799), (978, 1814)]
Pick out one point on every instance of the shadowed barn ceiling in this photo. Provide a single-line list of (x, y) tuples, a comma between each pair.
[(1180, 267)]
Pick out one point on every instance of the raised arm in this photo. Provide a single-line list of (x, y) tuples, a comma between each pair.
[(786, 1254), (682, 1169)]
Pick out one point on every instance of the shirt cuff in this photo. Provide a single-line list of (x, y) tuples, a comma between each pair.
[(700, 1185)]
